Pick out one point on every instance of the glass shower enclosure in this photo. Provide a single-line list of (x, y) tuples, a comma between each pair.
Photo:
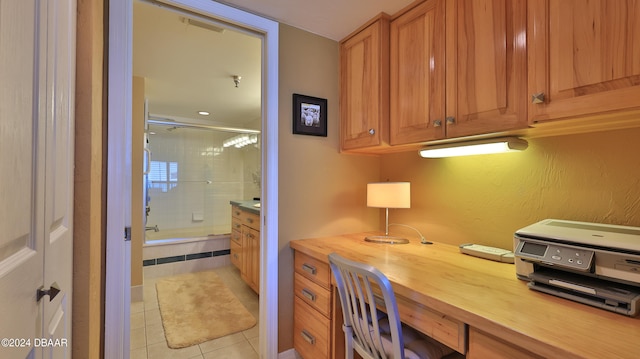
[(192, 172)]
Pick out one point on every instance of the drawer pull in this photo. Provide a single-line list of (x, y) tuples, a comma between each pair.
[(237, 226), (309, 294), (308, 337), (309, 269), (250, 220), (237, 213)]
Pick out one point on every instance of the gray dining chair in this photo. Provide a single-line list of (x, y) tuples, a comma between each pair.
[(369, 331)]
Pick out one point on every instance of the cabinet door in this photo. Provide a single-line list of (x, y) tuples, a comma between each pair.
[(364, 97), (250, 258), (254, 267), (584, 57), (245, 256), (486, 66), (417, 74)]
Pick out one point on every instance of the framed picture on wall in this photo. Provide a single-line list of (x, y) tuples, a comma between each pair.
[(309, 115)]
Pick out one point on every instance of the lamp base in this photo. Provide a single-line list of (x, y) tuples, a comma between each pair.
[(386, 239)]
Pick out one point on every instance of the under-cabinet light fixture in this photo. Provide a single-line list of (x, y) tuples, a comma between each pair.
[(476, 147)]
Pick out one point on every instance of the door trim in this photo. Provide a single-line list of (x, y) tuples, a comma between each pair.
[(119, 161)]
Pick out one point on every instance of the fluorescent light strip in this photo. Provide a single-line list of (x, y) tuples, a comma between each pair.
[(479, 147)]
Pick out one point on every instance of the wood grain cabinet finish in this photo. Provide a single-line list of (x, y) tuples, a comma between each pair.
[(245, 245), (236, 237), (486, 66), (458, 68), (584, 57), (312, 308), (250, 271), (364, 93), (482, 346), (417, 76)]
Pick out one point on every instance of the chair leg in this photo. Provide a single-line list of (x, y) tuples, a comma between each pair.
[(348, 341)]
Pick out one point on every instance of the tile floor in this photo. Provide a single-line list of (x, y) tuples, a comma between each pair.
[(147, 334)]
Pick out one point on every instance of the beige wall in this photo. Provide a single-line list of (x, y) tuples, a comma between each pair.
[(321, 192), (591, 177)]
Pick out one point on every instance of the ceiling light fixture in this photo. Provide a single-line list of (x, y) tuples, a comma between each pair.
[(203, 113), (236, 80), (476, 147), (240, 141)]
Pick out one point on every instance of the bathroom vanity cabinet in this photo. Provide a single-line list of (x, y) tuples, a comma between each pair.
[(245, 242)]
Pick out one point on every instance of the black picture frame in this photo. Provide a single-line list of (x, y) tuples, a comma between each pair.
[(309, 115)]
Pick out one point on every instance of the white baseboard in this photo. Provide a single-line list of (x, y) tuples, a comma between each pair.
[(137, 293), (289, 354)]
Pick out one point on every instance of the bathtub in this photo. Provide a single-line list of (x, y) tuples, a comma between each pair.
[(177, 251)]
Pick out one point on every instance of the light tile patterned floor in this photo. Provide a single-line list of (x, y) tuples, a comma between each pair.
[(147, 335)]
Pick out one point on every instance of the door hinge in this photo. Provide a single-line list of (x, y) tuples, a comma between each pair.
[(127, 234)]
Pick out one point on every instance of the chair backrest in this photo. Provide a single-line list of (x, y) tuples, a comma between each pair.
[(356, 282)]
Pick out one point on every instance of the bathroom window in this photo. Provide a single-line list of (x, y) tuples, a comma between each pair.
[(163, 175)]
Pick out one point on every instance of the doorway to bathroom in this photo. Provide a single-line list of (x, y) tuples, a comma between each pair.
[(200, 96), (119, 211)]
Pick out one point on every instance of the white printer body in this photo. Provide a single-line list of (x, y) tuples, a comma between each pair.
[(595, 264)]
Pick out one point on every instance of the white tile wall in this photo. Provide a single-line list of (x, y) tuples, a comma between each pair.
[(231, 172)]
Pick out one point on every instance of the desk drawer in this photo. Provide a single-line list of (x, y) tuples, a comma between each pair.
[(483, 345), (311, 331), (311, 293), (438, 326), (313, 269)]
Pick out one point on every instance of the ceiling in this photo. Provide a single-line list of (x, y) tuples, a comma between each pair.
[(188, 68), (333, 19)]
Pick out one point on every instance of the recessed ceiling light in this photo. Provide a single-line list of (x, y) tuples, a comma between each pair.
[(203, 113)]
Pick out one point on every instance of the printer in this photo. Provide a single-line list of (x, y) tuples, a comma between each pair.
[(591, 263)]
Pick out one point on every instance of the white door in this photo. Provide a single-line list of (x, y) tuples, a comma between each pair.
[(37, 76)]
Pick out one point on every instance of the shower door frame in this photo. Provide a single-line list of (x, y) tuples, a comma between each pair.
[(118, 211)]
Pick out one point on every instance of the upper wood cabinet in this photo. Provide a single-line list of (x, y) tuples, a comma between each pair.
[(417, 74), (458, 68), (364, 79), (584, 57), (486, 66)]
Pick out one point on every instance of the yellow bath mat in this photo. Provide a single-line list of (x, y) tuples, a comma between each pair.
[(197, 307)]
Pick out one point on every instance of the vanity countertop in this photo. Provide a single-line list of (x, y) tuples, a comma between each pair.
[(249, 206)]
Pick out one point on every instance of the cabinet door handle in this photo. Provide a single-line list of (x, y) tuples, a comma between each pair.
[(450, 120), (308, 337), (309, 269), (372, 131), (437, 123), (309, 294), (537, 98)]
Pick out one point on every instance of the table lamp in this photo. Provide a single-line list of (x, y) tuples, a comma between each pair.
[(388, 195)]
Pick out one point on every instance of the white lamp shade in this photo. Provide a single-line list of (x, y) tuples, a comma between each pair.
[(389, 195)]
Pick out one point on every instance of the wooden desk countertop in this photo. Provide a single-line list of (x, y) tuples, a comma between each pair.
[(488, 296)]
